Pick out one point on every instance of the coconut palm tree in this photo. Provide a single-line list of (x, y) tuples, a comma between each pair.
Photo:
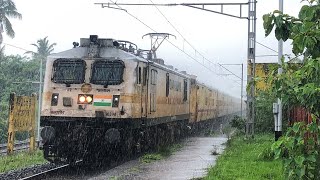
[(1, 53), (7, 10), (44, 49)]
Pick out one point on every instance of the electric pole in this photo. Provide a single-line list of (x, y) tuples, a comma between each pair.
[(278, 121)]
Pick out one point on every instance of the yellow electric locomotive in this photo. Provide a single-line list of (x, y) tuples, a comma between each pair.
[(103, 95)]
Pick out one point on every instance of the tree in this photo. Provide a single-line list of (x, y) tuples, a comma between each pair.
[(299, 86), (1, 52), (7, 10), (44, 49), (15, 73)]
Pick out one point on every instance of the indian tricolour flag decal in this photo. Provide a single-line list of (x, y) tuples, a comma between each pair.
[(102, 100)]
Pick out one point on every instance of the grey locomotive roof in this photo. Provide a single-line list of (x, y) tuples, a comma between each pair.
[(108, 52), (82, 52)]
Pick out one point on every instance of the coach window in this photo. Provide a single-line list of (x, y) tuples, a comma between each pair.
[(167, 84), (185, 90), (154, 77)]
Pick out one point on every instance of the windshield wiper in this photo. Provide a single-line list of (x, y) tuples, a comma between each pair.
[(106, 85)]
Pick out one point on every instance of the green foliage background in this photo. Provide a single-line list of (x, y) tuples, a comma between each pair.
[(300, 87), (15, 71), (263, 113)]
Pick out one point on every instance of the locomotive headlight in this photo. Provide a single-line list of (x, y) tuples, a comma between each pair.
[(85, 98), (82, 99), (89, 99)]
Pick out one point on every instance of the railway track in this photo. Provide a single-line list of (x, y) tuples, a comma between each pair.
[(44, 174), (18, 146), (42, 171)]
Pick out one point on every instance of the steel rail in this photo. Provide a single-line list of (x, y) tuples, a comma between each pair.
[(43, 173)]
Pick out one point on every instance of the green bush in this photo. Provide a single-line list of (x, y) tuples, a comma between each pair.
[(239, 123)]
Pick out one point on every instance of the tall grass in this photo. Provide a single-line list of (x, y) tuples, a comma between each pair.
[(241, 161), (20, 160)]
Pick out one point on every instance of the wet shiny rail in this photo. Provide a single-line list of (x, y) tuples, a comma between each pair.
[(43, 174)]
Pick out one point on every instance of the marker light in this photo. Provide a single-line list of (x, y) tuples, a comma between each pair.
[(54, 99), (82, 99), (115, 100), (89, 99)]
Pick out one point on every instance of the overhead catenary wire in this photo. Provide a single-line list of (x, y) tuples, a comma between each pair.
[(191, 57), (266, 47), (23, 49), (185, 40)]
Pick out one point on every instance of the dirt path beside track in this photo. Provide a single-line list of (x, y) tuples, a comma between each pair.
[(190, 162)]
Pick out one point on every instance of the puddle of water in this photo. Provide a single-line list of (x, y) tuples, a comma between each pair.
[(190, 162)]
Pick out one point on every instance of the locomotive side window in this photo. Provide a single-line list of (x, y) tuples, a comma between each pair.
[(139, 76), (154, 74), (185, 90), (144, 76), (167, 84), (107, 72), (69, 71)]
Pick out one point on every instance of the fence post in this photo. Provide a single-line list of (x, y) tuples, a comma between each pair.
[(32, 121), (11, 131)]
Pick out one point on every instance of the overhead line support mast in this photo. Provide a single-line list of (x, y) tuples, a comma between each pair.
[(251, 50)]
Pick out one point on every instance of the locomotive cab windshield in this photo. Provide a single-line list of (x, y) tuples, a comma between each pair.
[(69, 71), (107, 72)]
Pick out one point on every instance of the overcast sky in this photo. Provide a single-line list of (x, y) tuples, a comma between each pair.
[(219, 38)]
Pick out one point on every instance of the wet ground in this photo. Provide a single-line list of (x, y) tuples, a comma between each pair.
[(190, 162)]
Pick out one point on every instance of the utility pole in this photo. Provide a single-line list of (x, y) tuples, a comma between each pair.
[(278, 121), (39, 101), (241, 90), (251, 50)]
